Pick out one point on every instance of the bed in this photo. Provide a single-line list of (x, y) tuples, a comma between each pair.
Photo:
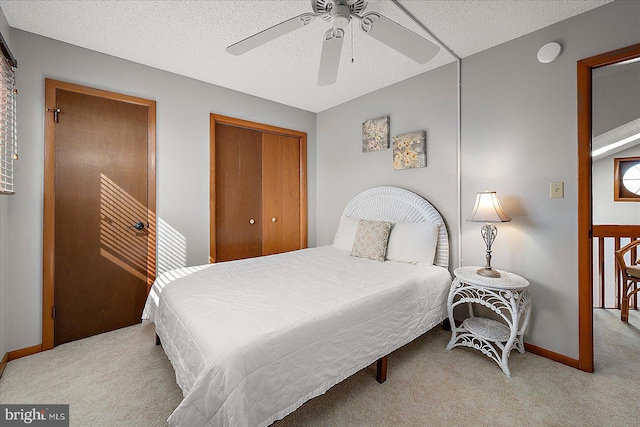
[(252, 340)]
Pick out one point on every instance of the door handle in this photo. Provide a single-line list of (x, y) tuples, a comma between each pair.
[(138, 225)]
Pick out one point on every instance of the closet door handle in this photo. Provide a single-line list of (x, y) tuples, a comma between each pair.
[(252, 221), (273, 219)]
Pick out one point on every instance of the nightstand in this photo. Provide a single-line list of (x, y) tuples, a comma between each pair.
[(508, 296)]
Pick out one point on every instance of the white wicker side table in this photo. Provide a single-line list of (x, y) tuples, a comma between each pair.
[(508, 296)]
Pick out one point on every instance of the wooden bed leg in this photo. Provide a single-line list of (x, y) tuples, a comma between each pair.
[(381, 370), (158, 340)]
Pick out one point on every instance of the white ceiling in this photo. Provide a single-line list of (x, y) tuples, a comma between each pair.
[(189, 37)]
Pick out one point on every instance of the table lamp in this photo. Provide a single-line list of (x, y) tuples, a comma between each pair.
[(488, 210)]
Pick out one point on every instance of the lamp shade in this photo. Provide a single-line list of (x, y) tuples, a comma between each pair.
[(488, 209)]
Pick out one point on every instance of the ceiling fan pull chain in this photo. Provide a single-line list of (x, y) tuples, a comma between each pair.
[(352, 41)]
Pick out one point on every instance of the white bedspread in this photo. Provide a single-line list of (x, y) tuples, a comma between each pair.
[(250, 341)]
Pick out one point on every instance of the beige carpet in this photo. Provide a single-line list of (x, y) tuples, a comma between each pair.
[(122, 379)]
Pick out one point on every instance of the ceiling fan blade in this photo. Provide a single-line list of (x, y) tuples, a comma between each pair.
[(398, 37), (258, 39), (330, 58)]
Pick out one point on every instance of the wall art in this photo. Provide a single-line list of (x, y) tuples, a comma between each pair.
[(375, 134), (410, 150)]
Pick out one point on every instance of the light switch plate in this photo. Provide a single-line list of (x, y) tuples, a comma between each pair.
[(556, 190)]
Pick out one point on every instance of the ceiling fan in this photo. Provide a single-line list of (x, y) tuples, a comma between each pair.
[(339, 13)]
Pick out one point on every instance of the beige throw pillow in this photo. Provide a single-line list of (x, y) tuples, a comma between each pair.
[(371, 240)]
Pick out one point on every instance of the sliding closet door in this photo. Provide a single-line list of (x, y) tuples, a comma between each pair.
[(281, 193), (238, 192)]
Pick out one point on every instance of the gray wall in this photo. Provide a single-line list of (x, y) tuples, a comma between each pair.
[(616, 96), (519, 133), (183, 107), (4, 230), (425, 102)]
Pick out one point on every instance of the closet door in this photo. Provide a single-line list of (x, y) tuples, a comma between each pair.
[(281, 193), (258, 193), (238, 193)]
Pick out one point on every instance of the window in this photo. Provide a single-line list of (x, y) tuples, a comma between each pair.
[(8, 94), (626, 184)]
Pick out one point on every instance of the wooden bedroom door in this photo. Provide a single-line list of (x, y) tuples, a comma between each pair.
[(103, 235), (258, 197)]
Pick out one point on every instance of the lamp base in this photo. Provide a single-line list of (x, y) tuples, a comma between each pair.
[(488, 272)]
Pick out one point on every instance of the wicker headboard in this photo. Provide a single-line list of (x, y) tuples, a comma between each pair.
[(399, 205)]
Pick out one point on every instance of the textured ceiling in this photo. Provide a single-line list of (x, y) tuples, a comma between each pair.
[(189, 38)]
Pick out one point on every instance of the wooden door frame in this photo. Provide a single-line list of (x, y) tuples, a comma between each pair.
[(48, 243), (231, 121), (585, 218)]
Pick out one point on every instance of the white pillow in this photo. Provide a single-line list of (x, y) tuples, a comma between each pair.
[(346, 233), (414, 243)]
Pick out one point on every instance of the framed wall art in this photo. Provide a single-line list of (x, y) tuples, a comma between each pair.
[(375, 134), (410, 150)]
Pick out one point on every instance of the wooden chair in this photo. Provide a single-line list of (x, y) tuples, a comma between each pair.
[(630, 278)]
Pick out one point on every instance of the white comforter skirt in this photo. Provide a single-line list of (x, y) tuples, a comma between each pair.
[(250, 341)]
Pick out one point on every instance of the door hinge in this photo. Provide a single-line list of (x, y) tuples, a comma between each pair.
[(56, 111), (53, 312)]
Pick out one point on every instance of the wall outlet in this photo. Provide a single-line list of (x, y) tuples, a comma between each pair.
[(557, 190)]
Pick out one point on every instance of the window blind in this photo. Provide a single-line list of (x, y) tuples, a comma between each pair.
[(8, 140)]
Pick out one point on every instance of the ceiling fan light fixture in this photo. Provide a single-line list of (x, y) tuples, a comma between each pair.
[(340, 15), (325, 6)]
